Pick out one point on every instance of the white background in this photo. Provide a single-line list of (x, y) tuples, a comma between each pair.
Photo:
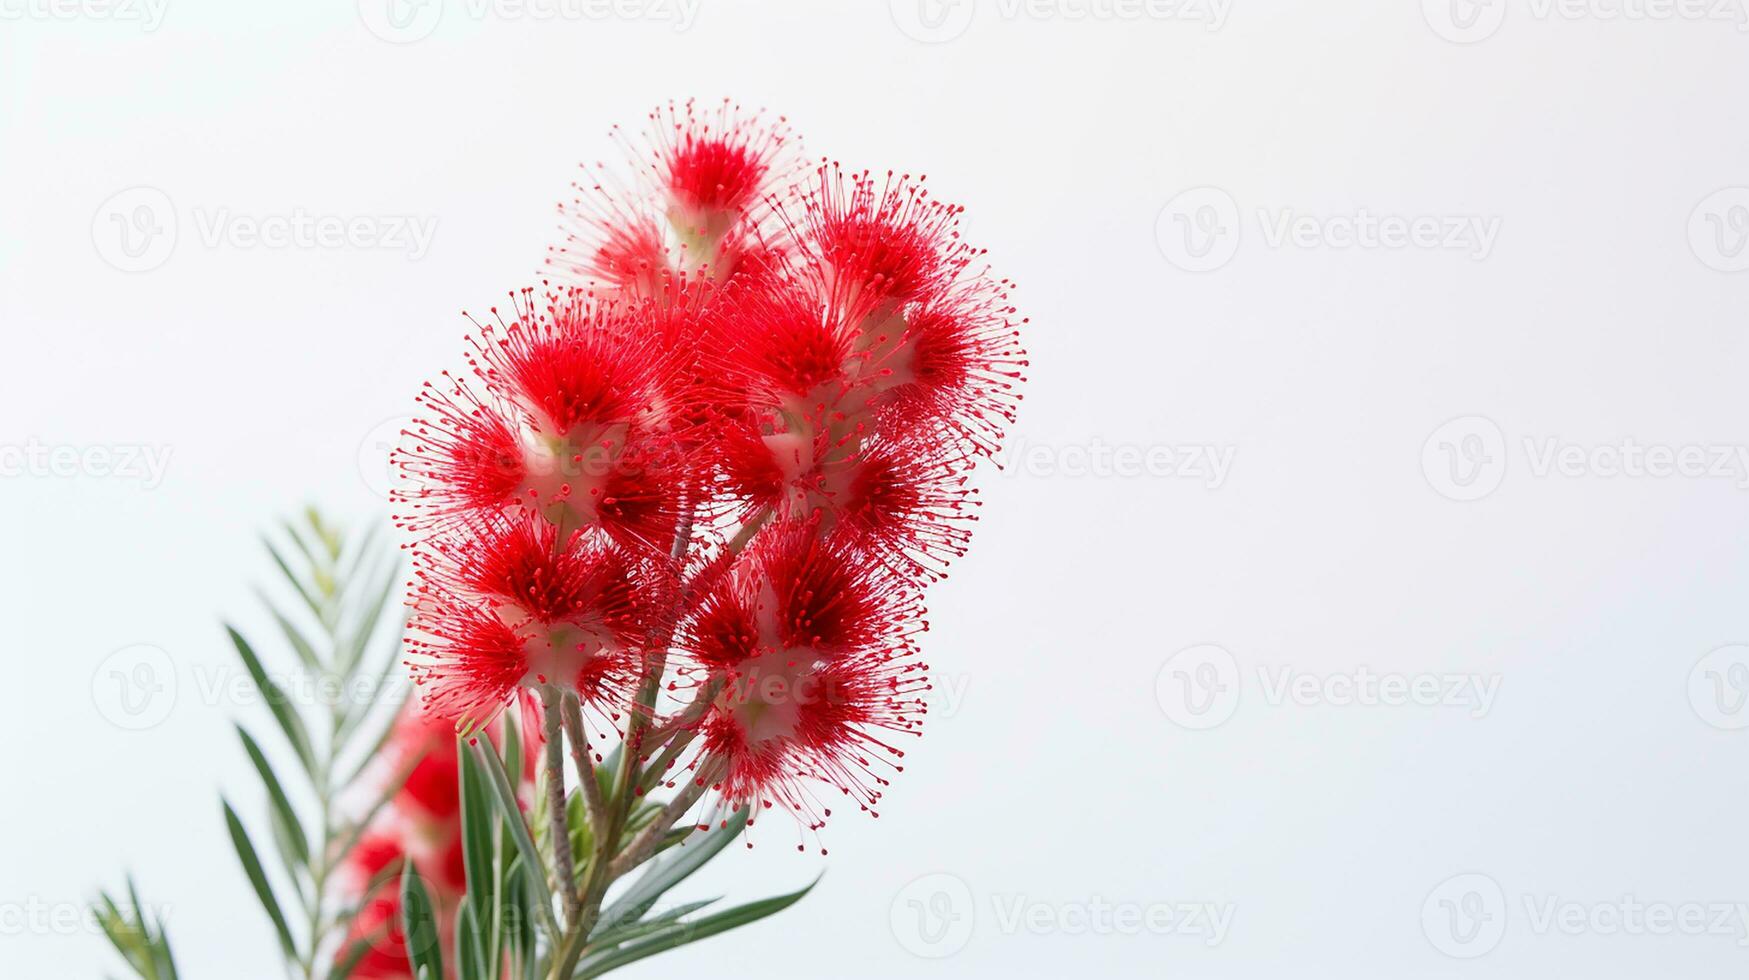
[(1062, 771)]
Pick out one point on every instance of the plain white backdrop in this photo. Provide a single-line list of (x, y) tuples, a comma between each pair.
[(1350, 603)]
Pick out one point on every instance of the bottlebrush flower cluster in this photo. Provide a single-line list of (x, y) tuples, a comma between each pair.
[(720, 452)]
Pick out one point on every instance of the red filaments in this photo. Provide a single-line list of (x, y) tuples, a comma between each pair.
[(721, 457)]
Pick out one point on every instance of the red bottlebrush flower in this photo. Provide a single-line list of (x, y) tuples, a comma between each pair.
[(825, 359), (512, 603), (808, 640), (870, 242), (715, 164), (693, 206), (595, 437), (463, 455)]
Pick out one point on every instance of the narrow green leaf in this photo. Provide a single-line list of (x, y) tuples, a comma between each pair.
[(419, 924), (519, 914), (344, 965), (277, 702), (258, 878), (601, 938), (352, 654), (667, 873), (296, 583), (479, 823), (470, 943), (680, 933), (363, 553), (508, 807), (276, 795), (299, 643)]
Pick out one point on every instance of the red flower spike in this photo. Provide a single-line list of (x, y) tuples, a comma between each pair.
[(809, 641), (727, 467), (694, 205), (509, 604)]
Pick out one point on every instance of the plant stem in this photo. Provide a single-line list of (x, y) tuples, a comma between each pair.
[(593, 803), (563, 867)]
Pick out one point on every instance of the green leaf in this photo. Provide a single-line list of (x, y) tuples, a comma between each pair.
[(293, 635), (258, 878), (680, 933), (519, 915), (136, 935), (479, 822), (512, 813), (296, 583), (344, 965), (667, 873), (602, 938), (419, 924), (277, 702), (353, 652), (470, 943), (276, 795)]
